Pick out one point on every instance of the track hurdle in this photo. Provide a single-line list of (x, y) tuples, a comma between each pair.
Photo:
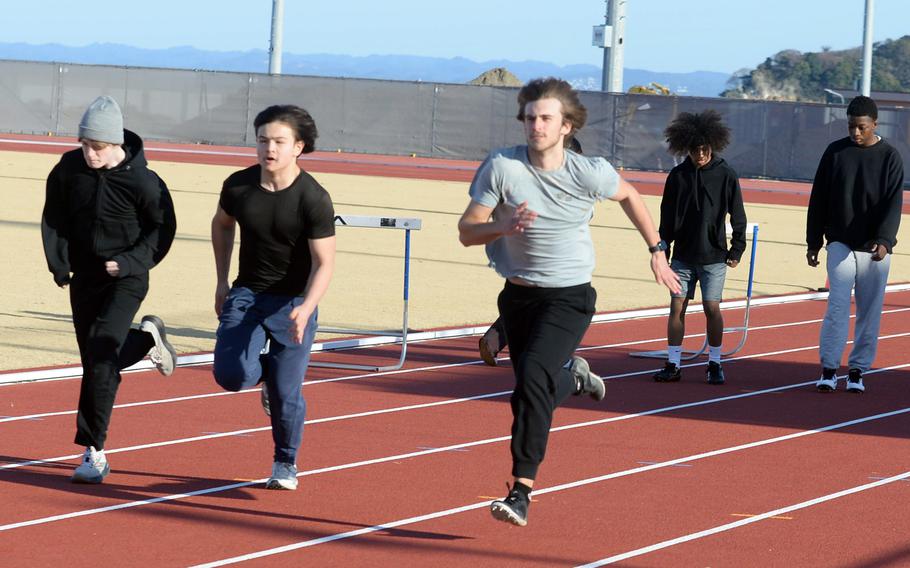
[(743, 329), (406, 224)]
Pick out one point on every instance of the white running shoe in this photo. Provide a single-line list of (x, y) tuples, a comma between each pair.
[(828, 381), (163, 354), (855, 381), (94, 467), (284, 476)]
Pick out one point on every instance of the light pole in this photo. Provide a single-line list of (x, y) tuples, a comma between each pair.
[(836, 94), (275, 44), (867, 48), (611, 37)]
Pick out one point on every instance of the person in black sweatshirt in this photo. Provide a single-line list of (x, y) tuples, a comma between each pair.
[(856, 206), (107, 221), (698, 195)]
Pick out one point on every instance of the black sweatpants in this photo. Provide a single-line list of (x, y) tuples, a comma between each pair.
[(103, 311), (544, 326)]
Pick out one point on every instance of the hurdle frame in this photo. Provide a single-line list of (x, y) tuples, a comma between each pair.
[(407, 224), (688, 355)]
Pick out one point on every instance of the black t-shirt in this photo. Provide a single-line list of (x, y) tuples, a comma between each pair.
[(274, 230)]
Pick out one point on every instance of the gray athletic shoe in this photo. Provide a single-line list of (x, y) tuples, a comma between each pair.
[(94, 467), (163, 354), (587, 382), (284, 476)]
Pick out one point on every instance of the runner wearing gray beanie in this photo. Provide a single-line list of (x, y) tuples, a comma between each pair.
[(102, 121)]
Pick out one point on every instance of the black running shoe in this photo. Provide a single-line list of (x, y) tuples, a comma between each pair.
[(714, 374), (513, 509), (671, 373)]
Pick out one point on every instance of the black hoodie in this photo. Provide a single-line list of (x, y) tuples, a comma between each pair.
[(124, 214), (856, 196), (693, 212)]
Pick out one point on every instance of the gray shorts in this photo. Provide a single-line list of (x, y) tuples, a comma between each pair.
[(711, 277)]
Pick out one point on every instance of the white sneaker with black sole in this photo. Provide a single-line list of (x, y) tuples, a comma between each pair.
[(855, 381), (94, 467), (828, 381), (284, 476), (163, 354)]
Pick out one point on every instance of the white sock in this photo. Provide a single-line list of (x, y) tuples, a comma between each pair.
[(714, 354), (674, 354)]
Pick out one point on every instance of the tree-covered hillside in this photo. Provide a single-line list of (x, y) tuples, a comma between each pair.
[(794, 76)]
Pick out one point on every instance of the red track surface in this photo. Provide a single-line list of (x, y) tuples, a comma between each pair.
[(635, 471)]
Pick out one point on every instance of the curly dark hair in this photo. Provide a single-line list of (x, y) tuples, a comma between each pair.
[(688, 131), (298, 119)]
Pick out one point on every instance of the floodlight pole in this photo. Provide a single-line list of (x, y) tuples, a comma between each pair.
[(275, 44), (867, 48), (615, 19)]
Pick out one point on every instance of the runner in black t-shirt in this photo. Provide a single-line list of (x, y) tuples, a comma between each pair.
[(287, 255)]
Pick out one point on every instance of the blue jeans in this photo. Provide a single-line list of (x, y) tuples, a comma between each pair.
[(852, 271), (247, 321), (711, 277)]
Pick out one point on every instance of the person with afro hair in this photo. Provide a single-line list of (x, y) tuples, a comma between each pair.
[(855, 207), (698, 196)]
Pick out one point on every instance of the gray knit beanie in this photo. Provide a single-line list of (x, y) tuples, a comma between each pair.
[(102, 121)]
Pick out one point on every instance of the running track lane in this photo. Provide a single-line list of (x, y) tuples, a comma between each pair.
[(649, 504)]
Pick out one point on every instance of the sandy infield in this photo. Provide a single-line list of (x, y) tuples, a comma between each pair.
[(450, 285)]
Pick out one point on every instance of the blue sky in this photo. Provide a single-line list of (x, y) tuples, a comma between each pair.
[(661, 35)]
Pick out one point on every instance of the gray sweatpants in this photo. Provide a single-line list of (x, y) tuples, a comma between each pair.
[(848, 269)]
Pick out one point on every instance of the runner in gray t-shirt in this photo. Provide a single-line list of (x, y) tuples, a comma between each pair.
[(531, 205)]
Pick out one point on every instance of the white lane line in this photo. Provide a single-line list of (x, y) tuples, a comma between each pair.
[(311, 383), (456, 447), (244, 432), (16, 377), (561, 487), (736, 524)]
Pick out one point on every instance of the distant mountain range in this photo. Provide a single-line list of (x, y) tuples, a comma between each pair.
[(392, 67)]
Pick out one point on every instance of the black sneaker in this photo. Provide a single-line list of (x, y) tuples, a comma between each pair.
[(513, 509), (855, 381), (162, 353), (714, 374), (586, 382), (828, 381), (671, 373)]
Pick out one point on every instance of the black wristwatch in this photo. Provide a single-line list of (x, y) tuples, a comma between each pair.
[(661, 245)]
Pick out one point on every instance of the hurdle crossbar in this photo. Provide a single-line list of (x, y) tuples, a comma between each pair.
[(407, 224), (743, 330)]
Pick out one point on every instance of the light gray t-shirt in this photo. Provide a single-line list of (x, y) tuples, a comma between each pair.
[(556, 250)]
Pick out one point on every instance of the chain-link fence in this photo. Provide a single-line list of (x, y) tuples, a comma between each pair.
[(770, 139)]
